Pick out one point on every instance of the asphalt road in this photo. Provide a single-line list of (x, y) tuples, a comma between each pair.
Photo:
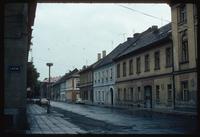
[(100, 120)]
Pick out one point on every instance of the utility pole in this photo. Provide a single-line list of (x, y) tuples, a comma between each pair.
[(49, 94)]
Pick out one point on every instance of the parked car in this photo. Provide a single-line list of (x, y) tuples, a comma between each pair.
[(35, 100), (79, 101), (44, 101)]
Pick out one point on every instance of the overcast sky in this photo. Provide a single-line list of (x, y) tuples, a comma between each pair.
[(71, 35)]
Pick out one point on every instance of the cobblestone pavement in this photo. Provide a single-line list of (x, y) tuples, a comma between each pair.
[(42, 123)]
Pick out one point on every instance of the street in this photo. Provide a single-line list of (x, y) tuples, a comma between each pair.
[(100, 120)]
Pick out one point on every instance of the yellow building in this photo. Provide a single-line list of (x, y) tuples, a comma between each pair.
[(184, 35), (159, 70), (144, 70)]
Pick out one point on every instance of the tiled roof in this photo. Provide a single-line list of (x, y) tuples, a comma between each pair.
[(120, 48), (147, 38), (90, 66), (67, 76)]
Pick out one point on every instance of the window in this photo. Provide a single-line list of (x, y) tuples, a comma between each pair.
[(169, 90), (182, 14), (118, 70), (139, 94), (107, 75), (168, 57), (157, 94), (111, 74), (99, 96), (124, 69), (185, 91), (195, 10), (138, 64), (147, 67), (102, 78), (130, 67), (157, 60), (125, 94), (184, 47), (131, 90), (118, 93), (102, 95), (99, 77)]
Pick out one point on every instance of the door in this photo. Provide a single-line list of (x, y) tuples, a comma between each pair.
[(111, 95), (148, 97), (91, 95)]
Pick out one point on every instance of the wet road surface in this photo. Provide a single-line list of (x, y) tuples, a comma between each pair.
[(96, 119)]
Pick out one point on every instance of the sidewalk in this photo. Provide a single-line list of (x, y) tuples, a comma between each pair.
[(42, 123)]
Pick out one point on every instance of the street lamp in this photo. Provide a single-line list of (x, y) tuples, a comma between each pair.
[(49, 94)]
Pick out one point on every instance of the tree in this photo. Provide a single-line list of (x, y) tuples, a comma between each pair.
[(32, 80)]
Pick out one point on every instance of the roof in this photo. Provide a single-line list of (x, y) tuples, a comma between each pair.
[(90, 66), (120, 48), (148, 38), (52, 79), (67, 76)]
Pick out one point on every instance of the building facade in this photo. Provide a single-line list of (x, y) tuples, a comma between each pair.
[(104, 75), (65, 89), (18, 20), (144, 71), (184, 35), (72, 90), (46, 88), (86, 84), (59, 89), (103, 85)]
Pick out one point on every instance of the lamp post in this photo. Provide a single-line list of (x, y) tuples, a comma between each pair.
[(49, 94)]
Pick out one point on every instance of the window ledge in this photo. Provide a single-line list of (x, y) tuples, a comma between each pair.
[(138, 72), (182, 22), (169, 100), (183, 62), (157, 68), (168, 66)]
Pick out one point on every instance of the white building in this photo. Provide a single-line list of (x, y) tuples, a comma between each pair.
[(104, 75), (103, 84)]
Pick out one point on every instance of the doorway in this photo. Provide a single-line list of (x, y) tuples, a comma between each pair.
[(148, 97), (111, 95)]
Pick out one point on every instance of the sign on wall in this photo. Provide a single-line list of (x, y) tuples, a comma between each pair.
[(14, 68)]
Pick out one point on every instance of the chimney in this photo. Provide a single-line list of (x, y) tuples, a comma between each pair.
[(103, 53), (129, 39), (98, 56), (154, 28), (136, 35)]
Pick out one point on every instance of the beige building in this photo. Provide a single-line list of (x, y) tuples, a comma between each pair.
[(184, 35), (144, 70), (159, 70), (65, 89), (72, 91)]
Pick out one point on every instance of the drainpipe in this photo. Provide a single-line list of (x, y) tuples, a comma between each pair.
[(173, 78)]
